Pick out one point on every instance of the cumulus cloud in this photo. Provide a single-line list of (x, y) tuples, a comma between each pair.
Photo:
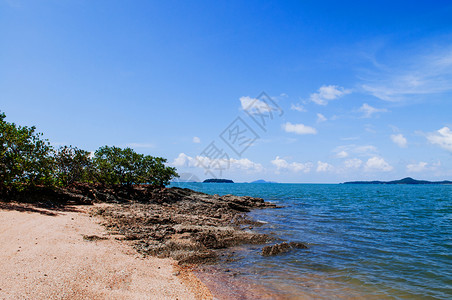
[(368, 110), (298, 107), (442, 138), (255, 106), (184, 160), (324, 167), (245, 164), (298, 128), (321, 118), (196, 140), (377, 164), (353, 163), (282, 164), (342, 154), (327, 93), (399, 140), (419, 167)]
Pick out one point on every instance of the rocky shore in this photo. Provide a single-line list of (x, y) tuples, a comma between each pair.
[(182, 224), (185, 225)]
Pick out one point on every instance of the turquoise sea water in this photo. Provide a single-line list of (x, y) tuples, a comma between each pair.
[(365, 241)]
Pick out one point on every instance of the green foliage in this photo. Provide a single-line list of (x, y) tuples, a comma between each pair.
[(153, 171), (72, 165), (124, 166), (24, 156), (115, 165), (27, 160)]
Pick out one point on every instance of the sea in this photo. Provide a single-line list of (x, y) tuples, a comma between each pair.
[(364, 242)]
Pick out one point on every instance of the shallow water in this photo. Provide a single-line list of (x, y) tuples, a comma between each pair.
[(365, 241)]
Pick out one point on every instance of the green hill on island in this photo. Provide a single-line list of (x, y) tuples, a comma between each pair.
[(407, 180), (215, 180), (262, 181)]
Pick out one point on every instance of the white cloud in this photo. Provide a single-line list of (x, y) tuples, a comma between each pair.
[(370, 128), (282, 164), (377, 164), (324, 167), (353, 163), (298, 128), (298, 107), (327, 93), (360, 150), (399, 140), (442, 138), (196, 140), (245, 164), (425, 75), (321, 118), (255, 106), (183, 160), (368, 110), (366, 149), (419, 167), (342, 154)]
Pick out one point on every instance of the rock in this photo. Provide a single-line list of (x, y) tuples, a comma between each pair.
[(281, 248), (238, 207), (298, 245)]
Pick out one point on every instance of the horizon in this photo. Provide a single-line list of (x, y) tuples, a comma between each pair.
[(175, 180), (291, 92)]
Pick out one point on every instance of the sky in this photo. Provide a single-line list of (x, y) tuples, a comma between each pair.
[(286, 91)]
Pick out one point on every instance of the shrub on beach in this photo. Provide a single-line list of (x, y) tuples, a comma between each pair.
[(27, 160), (114, 165), (72, 165)]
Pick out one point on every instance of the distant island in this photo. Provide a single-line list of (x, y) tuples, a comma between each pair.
[(407, 180), (215, 180), (262, 181)]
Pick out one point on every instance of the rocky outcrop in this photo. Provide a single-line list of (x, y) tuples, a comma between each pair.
[(180, 223), (281, 248), (186, 225)]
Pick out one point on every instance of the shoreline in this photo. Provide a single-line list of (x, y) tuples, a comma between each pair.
[(180, 228), (65, 253)]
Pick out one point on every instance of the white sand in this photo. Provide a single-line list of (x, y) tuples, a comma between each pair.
[(46, 257)]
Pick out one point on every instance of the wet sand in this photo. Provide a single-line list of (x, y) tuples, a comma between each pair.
[(66, 254)]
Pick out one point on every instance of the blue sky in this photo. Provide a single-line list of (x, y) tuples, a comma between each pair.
[(357, 90)]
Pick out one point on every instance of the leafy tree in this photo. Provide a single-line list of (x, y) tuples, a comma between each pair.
[(153, 171), (72, 165), (24, 156), (116, 166), (124, 166), (27, 160)]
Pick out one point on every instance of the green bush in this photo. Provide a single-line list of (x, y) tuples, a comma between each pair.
[(25, 158), (114, 165), (72, 165)]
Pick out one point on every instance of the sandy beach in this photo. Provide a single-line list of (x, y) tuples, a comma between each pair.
[(66, 254)]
